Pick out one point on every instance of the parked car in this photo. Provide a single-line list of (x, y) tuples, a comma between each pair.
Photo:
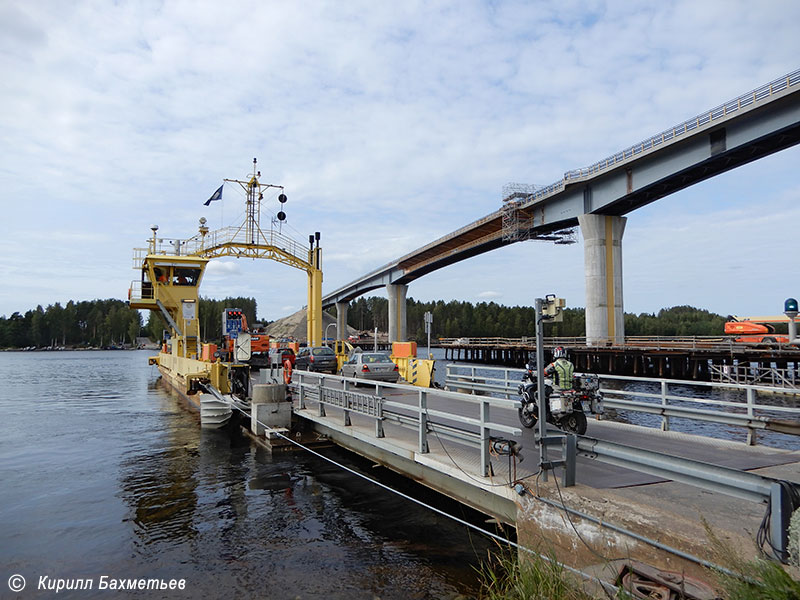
[(316, 358), (375, 366), (277, 356)]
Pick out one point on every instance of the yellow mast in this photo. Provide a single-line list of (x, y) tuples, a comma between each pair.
[(247, 240)]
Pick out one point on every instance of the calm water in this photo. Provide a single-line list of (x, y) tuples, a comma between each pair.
[(105, 472)]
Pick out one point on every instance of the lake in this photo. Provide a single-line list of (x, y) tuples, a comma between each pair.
[(107, 473)]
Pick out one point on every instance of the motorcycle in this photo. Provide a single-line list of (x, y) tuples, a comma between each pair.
[(566, 409)]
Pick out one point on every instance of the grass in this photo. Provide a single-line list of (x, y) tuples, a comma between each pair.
[(751, 579), (505, 577)]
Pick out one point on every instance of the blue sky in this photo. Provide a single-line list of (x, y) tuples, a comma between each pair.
[(389, 124)]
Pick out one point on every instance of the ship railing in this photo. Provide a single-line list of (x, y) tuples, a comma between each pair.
[(140, 290), (475, 431), (664, 398), (241, 236), (139, 255)]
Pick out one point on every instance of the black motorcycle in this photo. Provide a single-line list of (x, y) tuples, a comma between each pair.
[(566, 409)]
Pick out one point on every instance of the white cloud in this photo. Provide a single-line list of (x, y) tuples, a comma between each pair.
[(389, 125), (490, 294)]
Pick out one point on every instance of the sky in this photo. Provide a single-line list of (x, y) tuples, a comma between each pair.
[(389, 124)]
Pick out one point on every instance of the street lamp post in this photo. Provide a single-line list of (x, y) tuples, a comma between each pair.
[(326, 332)]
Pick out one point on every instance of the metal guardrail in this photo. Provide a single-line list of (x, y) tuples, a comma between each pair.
[(505, 381), (732, 482), (670, 135), (336, 391), (333, 390)]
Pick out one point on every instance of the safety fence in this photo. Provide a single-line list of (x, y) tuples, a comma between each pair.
[(475, 430), (750, 414)]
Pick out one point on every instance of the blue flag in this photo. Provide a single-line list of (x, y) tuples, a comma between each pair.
[(215, 196)]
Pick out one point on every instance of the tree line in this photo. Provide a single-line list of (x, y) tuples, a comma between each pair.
[(489, 319), (105, 323), (100, 323), (97, 323)]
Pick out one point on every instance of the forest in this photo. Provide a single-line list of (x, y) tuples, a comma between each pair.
[(97, 323), (488, 319), (104, 324), (110, 323)]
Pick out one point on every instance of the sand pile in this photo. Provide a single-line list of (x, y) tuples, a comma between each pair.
[(294, 326)]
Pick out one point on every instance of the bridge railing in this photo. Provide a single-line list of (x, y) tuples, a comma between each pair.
[(475, 431), (751, 414), (673, 133), (670, 135)]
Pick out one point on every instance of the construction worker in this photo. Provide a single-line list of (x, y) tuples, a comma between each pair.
[(561, 368)]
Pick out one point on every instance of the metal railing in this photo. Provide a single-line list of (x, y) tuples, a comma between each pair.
[(670, 135), (336, 391), (199, 244), (774, 377), (505, 381), (140, 290), (238, 235), (775, 493), (693, 124), (642, 342), (332, 390)]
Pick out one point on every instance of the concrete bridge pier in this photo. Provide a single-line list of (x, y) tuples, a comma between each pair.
[(397, 312), (602, 256), (341, 320)]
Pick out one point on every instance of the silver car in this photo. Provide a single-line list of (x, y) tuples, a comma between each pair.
[(375, 366)]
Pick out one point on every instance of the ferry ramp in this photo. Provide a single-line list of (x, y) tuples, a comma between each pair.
[(444, 440)]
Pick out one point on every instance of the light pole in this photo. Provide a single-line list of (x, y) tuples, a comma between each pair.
[(790, 310), (326, 332), (428, 318)]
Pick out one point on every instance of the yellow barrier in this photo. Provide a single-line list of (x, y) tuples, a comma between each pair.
[(416, 371)]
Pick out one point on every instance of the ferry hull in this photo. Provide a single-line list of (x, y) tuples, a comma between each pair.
[(177, 372)]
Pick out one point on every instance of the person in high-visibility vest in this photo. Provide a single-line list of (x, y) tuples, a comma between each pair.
[(561, 369)]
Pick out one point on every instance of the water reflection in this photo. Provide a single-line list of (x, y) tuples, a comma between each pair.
[(292, 525)]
